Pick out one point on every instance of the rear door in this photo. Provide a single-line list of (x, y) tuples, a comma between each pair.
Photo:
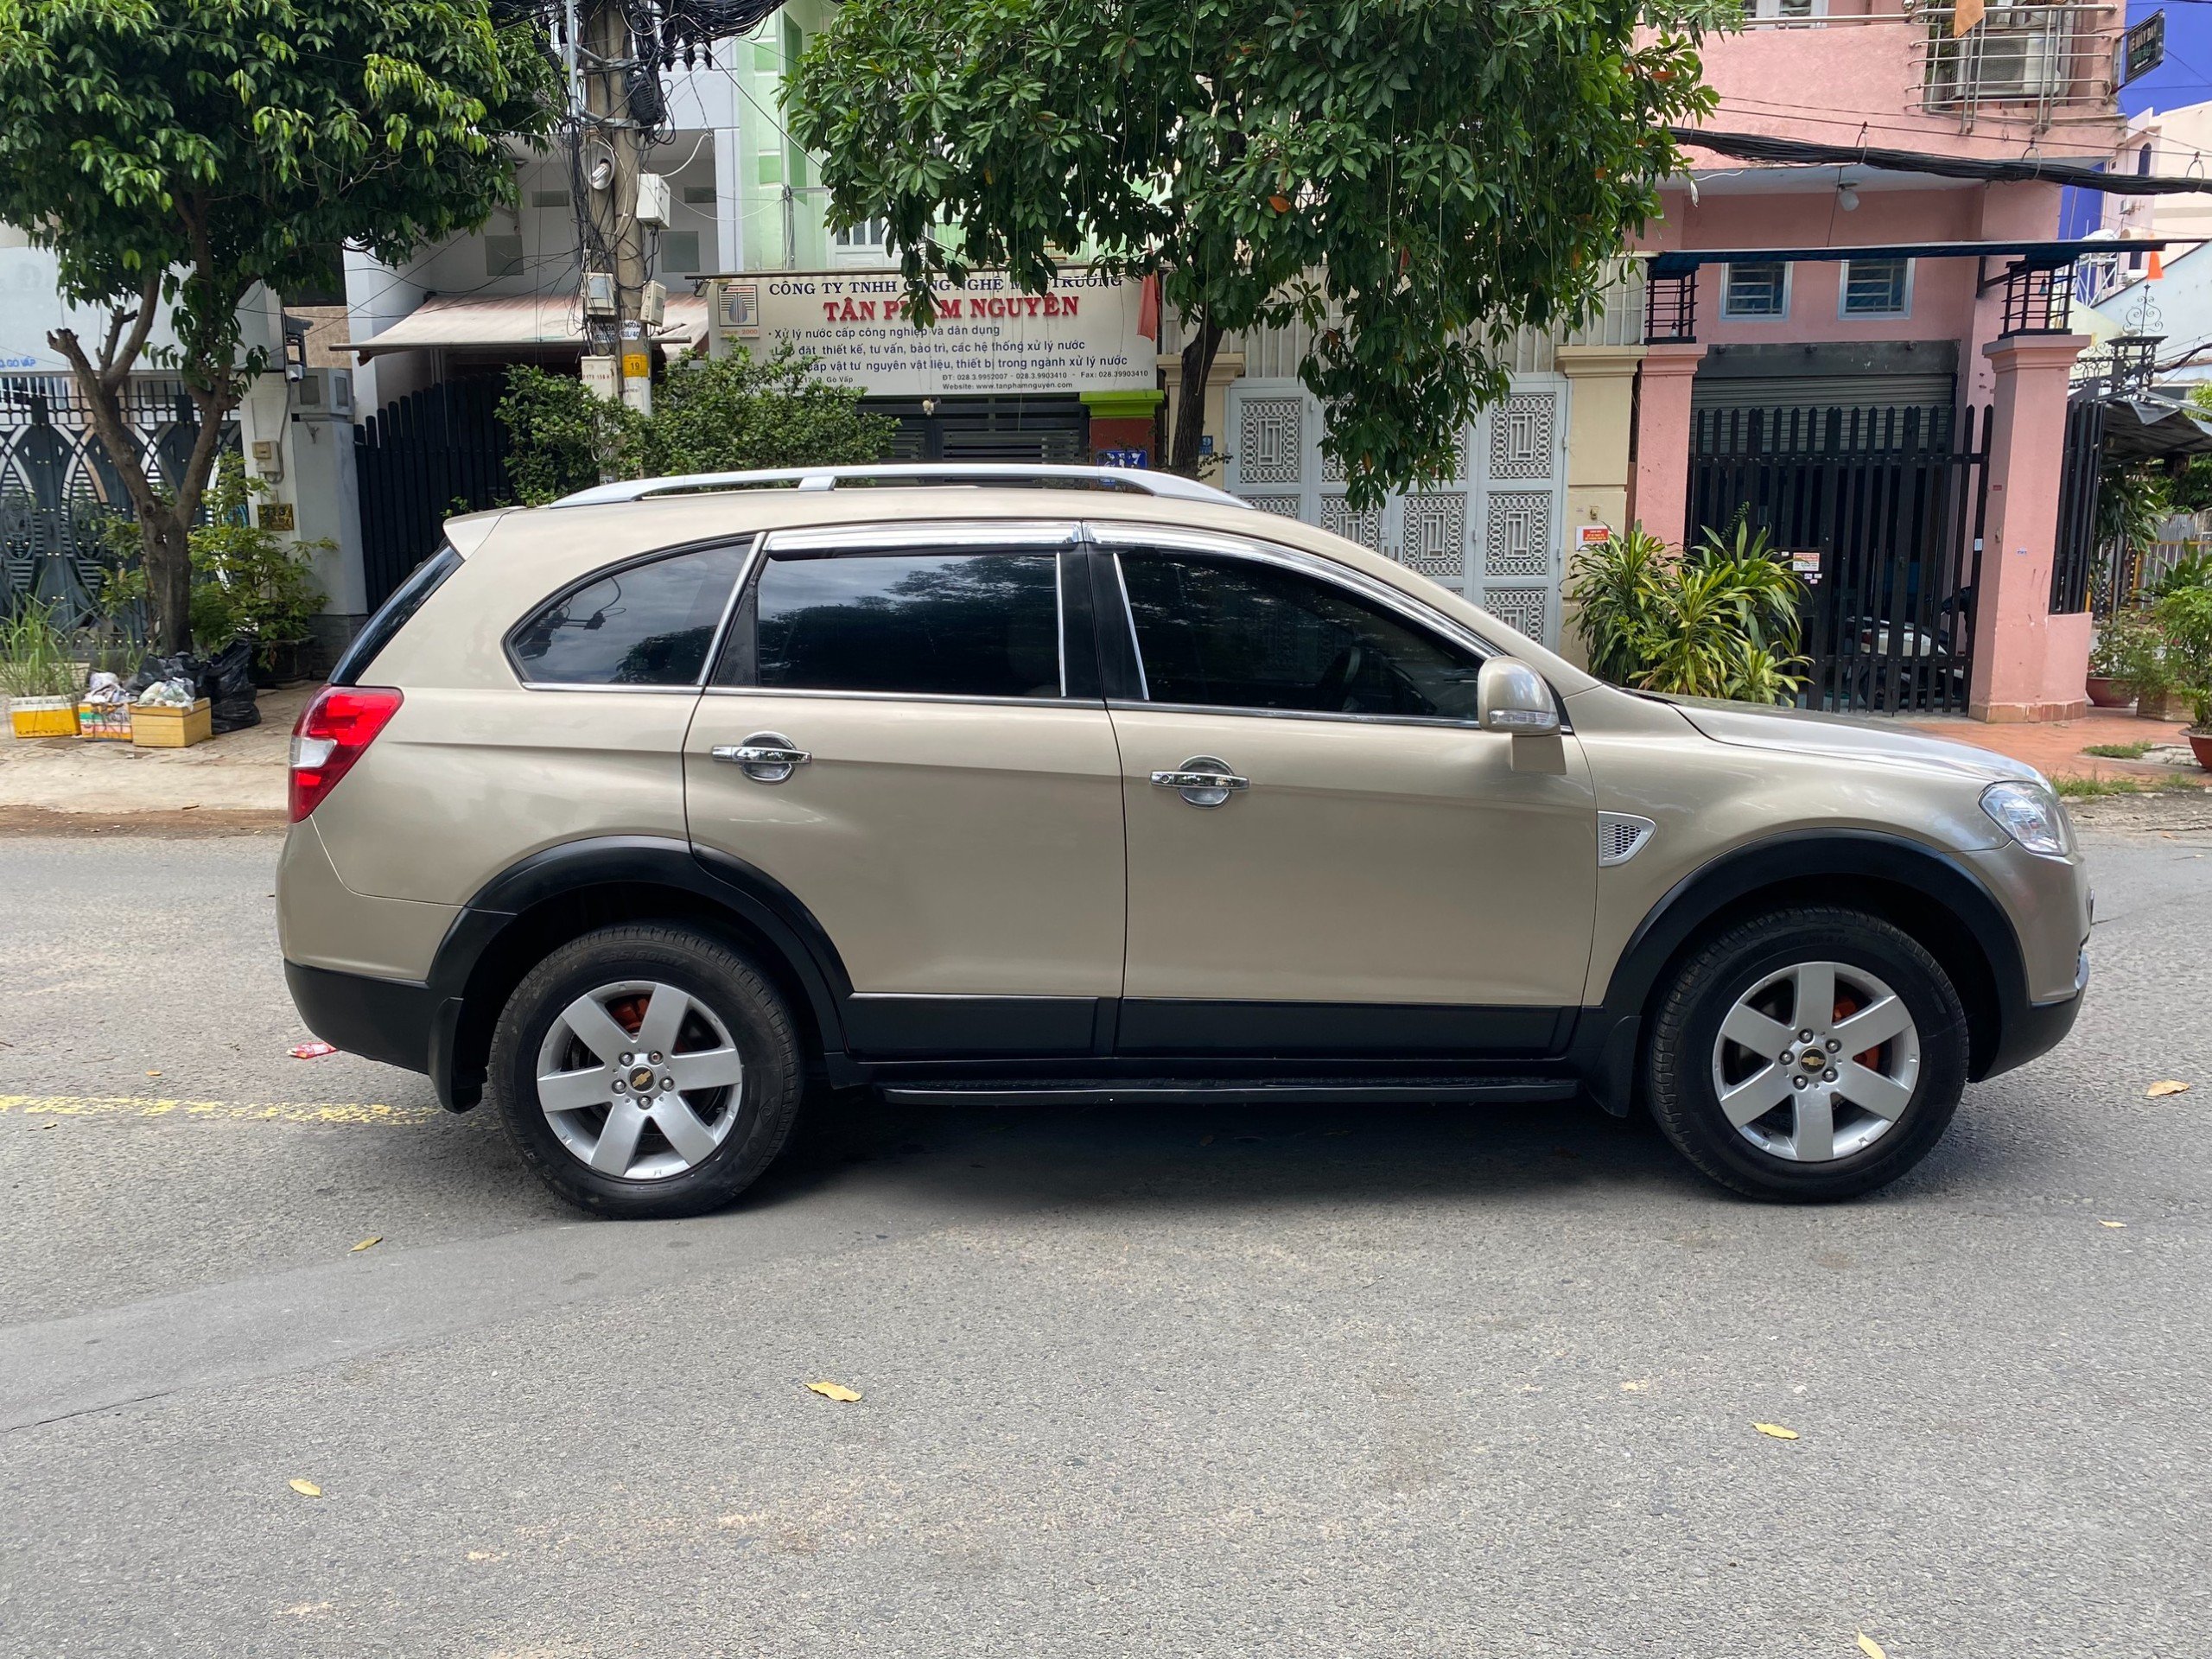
[(906, 732), (1371, 875)]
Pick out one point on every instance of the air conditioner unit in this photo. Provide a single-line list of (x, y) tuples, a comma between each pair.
[(653, 200), (2018, 64), (652, 304)]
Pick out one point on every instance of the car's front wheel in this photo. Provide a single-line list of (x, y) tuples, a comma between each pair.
[(1809, 1054), (646, 1070)]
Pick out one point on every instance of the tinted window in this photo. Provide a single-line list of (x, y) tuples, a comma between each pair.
[(393, 615), (979, 624), (644, 625), (1236, 633)]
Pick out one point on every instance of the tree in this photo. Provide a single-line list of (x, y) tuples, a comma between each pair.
[(724, 414), (1412, 179), (181, 152)]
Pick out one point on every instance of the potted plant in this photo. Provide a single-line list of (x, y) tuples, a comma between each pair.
[(2109, 660), (2184, 616), (39, 673), (248, 584), (1721, 619)]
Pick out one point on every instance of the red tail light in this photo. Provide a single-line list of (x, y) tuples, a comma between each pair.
[(334, 731)]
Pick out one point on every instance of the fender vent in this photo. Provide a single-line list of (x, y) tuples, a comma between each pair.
[(1621, 836)]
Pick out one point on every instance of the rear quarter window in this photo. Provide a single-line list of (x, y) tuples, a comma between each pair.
[(651, 622)]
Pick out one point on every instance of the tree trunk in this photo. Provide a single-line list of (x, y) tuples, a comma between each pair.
[(1198, 353), (164, 542)]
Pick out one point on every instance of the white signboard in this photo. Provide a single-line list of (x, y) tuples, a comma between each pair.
[(1079, 336)]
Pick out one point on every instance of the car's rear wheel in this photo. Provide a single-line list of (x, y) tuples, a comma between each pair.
[(646, 1070), (1807, 1055)]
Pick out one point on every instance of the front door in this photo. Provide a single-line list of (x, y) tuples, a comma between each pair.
[(1370, 874), (906, 731)]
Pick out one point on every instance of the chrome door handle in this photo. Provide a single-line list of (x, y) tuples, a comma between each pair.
[(1203, 780), (765, 757)]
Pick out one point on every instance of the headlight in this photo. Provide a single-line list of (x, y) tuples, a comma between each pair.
[(2030, 814)]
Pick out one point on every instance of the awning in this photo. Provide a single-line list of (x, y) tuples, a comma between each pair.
[(2152, 428), (515, 322)]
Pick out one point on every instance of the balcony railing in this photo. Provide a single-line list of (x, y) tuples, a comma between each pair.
[(2018, 61)]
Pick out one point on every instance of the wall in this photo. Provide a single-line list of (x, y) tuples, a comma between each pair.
[(31, 307)]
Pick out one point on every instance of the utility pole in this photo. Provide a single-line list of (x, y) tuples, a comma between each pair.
[(609, 141)]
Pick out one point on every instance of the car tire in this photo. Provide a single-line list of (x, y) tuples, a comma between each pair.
[(724, 1095), (1832, 1120)]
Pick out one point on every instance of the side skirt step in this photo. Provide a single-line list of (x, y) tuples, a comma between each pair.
[(1237, 1092)]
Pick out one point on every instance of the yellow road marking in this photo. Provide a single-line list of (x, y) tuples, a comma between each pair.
[(282, 1111)]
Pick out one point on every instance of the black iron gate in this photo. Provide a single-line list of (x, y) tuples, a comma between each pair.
[(1882, 510), (419, 460)]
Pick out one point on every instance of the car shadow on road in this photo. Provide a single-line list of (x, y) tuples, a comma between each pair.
[(1122, 1156)]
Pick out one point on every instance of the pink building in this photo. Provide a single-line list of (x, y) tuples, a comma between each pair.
[(1882, 411)]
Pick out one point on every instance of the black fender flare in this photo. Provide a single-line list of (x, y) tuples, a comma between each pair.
[(1608, 1045), (768, 908)]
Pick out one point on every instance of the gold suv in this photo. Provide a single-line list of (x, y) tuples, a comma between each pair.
[(652, 812)]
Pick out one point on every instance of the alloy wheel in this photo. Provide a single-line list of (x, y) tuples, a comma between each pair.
[(1816, 1062), (639, 1079)]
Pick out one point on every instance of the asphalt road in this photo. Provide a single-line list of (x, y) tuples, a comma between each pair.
[(1325, 1382)]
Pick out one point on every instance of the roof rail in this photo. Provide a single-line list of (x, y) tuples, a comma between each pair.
[(1140, 481)]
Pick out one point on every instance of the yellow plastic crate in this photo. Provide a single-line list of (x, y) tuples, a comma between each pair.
[(165, 726)]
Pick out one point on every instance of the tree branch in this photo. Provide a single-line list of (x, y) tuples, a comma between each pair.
[(115, 369)]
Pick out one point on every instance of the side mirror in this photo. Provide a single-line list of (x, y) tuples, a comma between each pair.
[(1512, 697)]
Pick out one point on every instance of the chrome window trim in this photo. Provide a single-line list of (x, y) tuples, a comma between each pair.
[(1168, 539), (1125, 705), (1061, 702), (686, 688), (750, 542), (900, 535), (1129, 621), (1060, 617)]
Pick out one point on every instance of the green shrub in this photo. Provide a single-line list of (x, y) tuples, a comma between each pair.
[(2184, 617), (1722, 621), (247, 583), (2131, 649), (709, 416), (37, 660)]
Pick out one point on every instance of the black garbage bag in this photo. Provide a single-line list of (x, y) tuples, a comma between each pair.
[(224, 679), (154, 669), (227, 684)]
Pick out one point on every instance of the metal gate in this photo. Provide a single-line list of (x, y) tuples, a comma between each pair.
[(419, 460), (60, 492), (1493, 534), (1882, 512), (1039, 429)]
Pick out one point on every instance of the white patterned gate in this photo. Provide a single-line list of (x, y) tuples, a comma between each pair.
[(1494, 533)]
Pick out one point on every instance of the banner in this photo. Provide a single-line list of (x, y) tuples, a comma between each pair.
[(1080, 335)]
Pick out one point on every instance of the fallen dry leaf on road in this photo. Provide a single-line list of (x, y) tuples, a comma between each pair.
[(835, 1391), (156, 1074), (373, 1238), (2112, 1224), (1635, 1388), (1870, 1647), (1776, 1430), (305, 1488), (2170, 1086)]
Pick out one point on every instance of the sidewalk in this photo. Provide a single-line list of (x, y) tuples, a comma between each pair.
[(2056, 749), (232, 784)]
